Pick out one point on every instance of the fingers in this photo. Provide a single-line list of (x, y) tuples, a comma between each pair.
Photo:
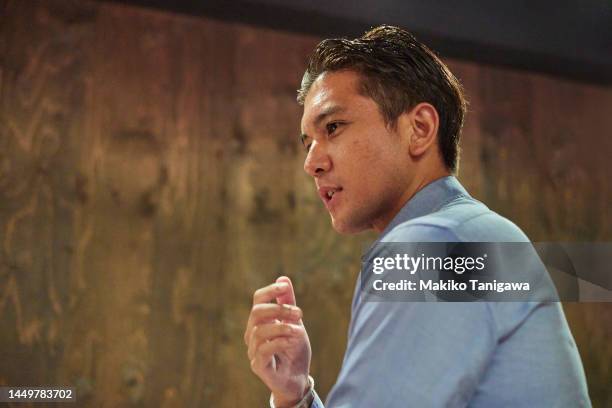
[(266, 333), (263, 296), (276, 339), (288, 296), (270, 292), (268, 313), (263, 357)]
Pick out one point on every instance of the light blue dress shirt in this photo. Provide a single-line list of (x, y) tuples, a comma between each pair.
[(479, 354)]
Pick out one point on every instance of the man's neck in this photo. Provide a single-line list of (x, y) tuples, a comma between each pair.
[(417, 184)]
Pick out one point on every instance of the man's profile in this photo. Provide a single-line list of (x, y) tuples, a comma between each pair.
[(381, 126)]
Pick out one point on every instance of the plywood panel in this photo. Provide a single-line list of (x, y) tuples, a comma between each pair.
[(150, 181)]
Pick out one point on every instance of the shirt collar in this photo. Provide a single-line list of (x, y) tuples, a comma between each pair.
[(427, 200)]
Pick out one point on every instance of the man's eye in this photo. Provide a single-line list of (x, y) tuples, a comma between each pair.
[(331, 127)]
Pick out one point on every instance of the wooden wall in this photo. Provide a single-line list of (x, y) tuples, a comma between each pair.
[(150, 181)]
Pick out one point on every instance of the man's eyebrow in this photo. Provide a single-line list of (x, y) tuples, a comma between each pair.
[(328, 111)]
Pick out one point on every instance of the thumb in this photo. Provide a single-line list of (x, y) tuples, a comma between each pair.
[(289, 296)]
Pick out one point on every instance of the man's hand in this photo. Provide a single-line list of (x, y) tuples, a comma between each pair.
[(278, 345)]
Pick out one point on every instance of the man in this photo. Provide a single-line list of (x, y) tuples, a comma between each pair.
[(381, 126)]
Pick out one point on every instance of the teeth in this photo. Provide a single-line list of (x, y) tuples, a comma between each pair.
[(330, 193)]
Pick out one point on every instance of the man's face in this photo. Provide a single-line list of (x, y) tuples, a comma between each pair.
[(361, 167)]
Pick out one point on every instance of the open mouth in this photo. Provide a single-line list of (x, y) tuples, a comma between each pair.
[(328, 194)]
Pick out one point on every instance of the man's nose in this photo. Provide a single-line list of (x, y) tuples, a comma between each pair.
[(317, 161)]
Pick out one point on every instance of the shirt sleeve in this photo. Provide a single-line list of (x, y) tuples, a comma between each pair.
[(414, 355), (316, 403)]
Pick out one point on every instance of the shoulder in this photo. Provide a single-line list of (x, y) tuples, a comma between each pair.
[(463, 219)]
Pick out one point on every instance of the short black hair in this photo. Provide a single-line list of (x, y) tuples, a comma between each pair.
[(398, 72)]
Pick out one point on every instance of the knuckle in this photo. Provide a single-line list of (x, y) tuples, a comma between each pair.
[(291, 311), (255, 333), (257, 308), (256, 295)]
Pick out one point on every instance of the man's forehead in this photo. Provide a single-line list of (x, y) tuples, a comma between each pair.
[(330, 92)]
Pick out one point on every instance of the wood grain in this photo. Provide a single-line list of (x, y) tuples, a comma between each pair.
[(151, 180)]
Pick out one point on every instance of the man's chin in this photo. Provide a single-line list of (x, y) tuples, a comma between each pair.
[(346, 228)]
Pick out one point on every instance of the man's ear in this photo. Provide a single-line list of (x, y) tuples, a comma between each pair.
[(420, 125)]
